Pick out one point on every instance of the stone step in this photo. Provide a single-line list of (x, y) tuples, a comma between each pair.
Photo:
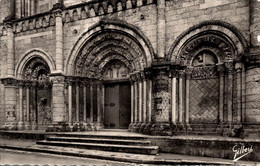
[(100, 141), (107, 136), (153, 150)]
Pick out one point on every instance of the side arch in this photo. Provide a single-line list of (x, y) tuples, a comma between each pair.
[(30, 55), (223, 29), (115, 26)]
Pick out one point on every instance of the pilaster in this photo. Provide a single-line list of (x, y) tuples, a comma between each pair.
[(161, 28), (255, 22), (57, 10)]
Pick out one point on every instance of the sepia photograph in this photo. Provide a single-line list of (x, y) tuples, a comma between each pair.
[(129, 82)]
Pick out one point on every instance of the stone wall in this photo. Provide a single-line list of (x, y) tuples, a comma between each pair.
[(181, 15), (5, 9)]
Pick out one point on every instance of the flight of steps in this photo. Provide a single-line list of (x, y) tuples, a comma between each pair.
[(112, 143)]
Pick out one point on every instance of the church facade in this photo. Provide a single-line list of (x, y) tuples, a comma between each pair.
[(158, 67)]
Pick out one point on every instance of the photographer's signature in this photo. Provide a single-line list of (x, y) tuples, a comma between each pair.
[(241, 151)]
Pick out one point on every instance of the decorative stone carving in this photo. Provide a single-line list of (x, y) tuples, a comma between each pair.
[(161, 82), (229, 66), (201, 72), (95, 52), (191, 48), (9, 81)]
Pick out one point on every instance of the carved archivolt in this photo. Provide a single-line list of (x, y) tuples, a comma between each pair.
[(105, 47), (208, 41), (36, 69)]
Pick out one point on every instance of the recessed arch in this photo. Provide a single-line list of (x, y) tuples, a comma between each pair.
[(29, 55), (127, 33), (219, 28)]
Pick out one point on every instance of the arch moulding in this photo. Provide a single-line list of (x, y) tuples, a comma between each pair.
[(223, 29), (30, 55), (109, 25)]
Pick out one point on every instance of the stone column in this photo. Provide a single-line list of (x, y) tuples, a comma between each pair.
[(59, 40), (255, 22), (238, 68), (77, 102), (70, 103), (136, 102), (173, 97), (144, 100), (99, 106), (230, 69), (130, 128), (221, 70), (132, 102), (91, 103), (161, 28), (28, 103), (140, 98), (181, 94), (85, 102), (58, 103)]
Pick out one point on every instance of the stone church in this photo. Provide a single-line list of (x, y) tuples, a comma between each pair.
[(160, 67)]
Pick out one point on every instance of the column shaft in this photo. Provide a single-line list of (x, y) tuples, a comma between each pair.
[(187, 112), (91, 104), (180, 100), (161, 30), (144, 101), (32, 7), (150, 102), (85, 103), (140, 101), (70, 103), (173, 100), (136, 99), (77, 103), (221, 98), (132, 102), (27, 104), (59, 41), (239, 95), (99, 103), (230, 96), (10, 51)]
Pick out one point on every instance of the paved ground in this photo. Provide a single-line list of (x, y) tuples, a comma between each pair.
[(19, 157)]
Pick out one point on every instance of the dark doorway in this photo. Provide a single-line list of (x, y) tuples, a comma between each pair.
[(117, 105)]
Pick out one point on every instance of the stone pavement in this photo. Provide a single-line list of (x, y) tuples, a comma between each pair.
[(162, 158)]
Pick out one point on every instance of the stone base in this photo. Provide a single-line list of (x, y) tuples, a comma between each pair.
[(20, 126), (10, 126), (147, 127), (162, 128), (134, 127), (142, 127)]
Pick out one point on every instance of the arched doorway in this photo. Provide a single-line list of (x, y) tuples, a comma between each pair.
[(117, 111), (37, 94)]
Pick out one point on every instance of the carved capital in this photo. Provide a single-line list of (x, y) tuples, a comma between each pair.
[(229, 66), (9, 81), (57, 13), (57, 79)]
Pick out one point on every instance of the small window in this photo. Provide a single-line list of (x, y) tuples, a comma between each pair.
[(204, 58)]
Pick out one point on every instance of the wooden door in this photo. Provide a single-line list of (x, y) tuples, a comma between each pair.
[(117, 105)]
